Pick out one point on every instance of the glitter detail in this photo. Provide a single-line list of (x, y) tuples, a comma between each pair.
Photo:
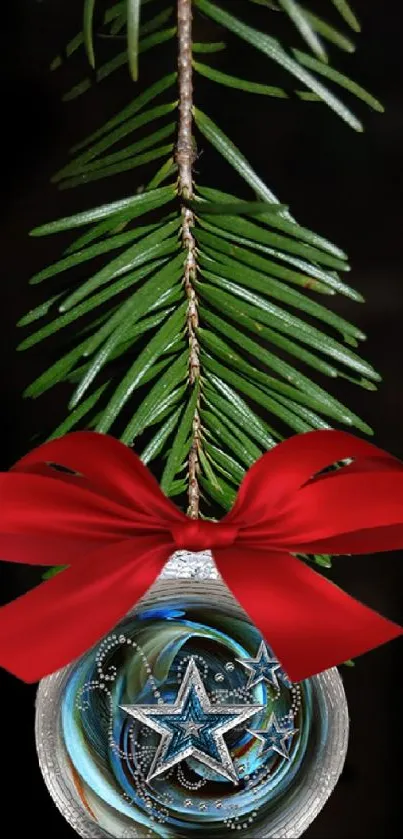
[(190, 566)]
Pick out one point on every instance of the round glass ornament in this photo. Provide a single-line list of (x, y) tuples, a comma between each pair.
[(181, 722)]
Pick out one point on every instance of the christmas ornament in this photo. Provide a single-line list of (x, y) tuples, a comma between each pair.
[(156, 732), (185, 715)]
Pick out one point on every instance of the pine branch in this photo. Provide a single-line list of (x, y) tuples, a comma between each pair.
[(198, 332), (184, 159)]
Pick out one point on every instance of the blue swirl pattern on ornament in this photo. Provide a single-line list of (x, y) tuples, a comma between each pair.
[(109, 753)]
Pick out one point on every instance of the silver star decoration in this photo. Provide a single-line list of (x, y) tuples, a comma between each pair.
[(263, 668), (192, 727), (275, 737)]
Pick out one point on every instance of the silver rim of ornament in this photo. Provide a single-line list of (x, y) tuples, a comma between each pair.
[(197, 574)]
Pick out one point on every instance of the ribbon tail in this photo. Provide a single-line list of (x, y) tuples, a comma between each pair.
[(48, 627), (308, 622)]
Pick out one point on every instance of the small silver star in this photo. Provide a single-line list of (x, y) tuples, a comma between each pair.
[(192, 727), (275, 737), (263, 668)]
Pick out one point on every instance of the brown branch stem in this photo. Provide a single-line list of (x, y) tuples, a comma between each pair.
[(185, 159)]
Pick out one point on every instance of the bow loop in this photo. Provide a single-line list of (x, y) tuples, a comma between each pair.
[(200, 535)]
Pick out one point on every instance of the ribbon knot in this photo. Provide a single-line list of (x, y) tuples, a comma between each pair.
[(199, 535)]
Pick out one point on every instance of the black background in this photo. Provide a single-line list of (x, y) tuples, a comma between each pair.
[(344, 185)]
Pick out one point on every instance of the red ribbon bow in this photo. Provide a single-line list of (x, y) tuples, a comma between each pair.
[(114, 528)]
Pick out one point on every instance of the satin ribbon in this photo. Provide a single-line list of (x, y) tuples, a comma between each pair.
[(114, 528)]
